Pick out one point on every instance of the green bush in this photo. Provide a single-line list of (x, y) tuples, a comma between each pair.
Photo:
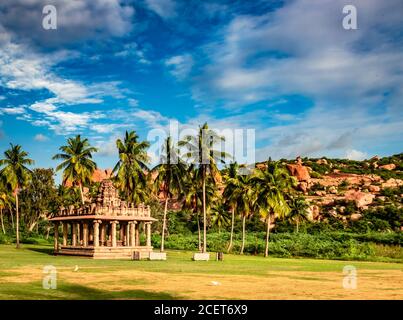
[(324, 245)]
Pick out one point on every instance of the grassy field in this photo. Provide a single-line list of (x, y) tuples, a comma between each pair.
[(237, 277)]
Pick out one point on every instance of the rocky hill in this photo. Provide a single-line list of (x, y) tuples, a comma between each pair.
[(345, 188)]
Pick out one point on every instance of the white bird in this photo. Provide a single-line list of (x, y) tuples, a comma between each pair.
[(215, 283), (75, 268)]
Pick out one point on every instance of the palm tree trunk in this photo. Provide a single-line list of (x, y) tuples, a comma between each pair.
[(243, 233), (266, 250), (198, 231), (12, 218), (81, 193), (164, 224), (17, 221), (232, 230), (2, 222), (297, 224), (204, 216)]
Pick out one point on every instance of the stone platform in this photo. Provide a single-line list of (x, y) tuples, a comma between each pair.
[(126, 253)]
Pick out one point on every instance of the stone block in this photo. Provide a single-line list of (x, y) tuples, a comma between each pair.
[(157, 256), (201, 256)]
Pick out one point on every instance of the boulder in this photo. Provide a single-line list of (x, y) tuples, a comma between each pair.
[(355, 216), (303, 186), (361, 199), (373, 188), (392, 183), (313, 213), (389, 167), (333, 190), (299, 171), (100, 175), (321, 161)]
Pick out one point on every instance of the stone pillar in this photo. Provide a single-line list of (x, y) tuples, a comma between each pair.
[(127, 232), (137, 234), (121, 232), (148, 225), (96, 233), (56, 236), (132, 233), (85, 234), (113, 233), (65, 231), (74, 234), (79, 238), (103, 227), (90, 233)]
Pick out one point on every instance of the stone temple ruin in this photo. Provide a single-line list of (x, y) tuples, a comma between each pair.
[(108, 228)]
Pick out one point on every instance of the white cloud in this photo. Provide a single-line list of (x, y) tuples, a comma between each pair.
[(164, 8), (133, 102), (12, 110), (356, 155), (41, 138), (133, 50), (180, 66)]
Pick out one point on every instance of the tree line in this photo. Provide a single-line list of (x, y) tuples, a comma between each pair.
[(188, 173)]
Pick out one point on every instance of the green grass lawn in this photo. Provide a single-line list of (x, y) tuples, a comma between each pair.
[(238, 277)]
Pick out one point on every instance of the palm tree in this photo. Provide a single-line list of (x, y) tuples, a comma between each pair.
[(77, 164), (245, 196), (201, 153), (170, 177), (271, 184), (16, 175), (5, 202), (298, 210), (219, 216), (229, 194), (132, 167), (193, 196)]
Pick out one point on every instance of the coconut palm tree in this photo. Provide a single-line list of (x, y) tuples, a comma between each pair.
[(229, 194), (5, 202), (193, 196), (16, 175), (201, 153), (170, 177), (131, 169), (219, 216), (271, 185), (77, 164), (245, 196), (298, 210)]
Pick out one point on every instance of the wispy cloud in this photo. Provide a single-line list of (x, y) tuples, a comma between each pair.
[(180, 66), (164, 8), (12, 110), (41, 137)]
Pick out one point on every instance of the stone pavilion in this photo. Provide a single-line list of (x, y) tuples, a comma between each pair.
[(108, 228)]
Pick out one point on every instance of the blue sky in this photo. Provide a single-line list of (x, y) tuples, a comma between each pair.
[(286, 69)]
